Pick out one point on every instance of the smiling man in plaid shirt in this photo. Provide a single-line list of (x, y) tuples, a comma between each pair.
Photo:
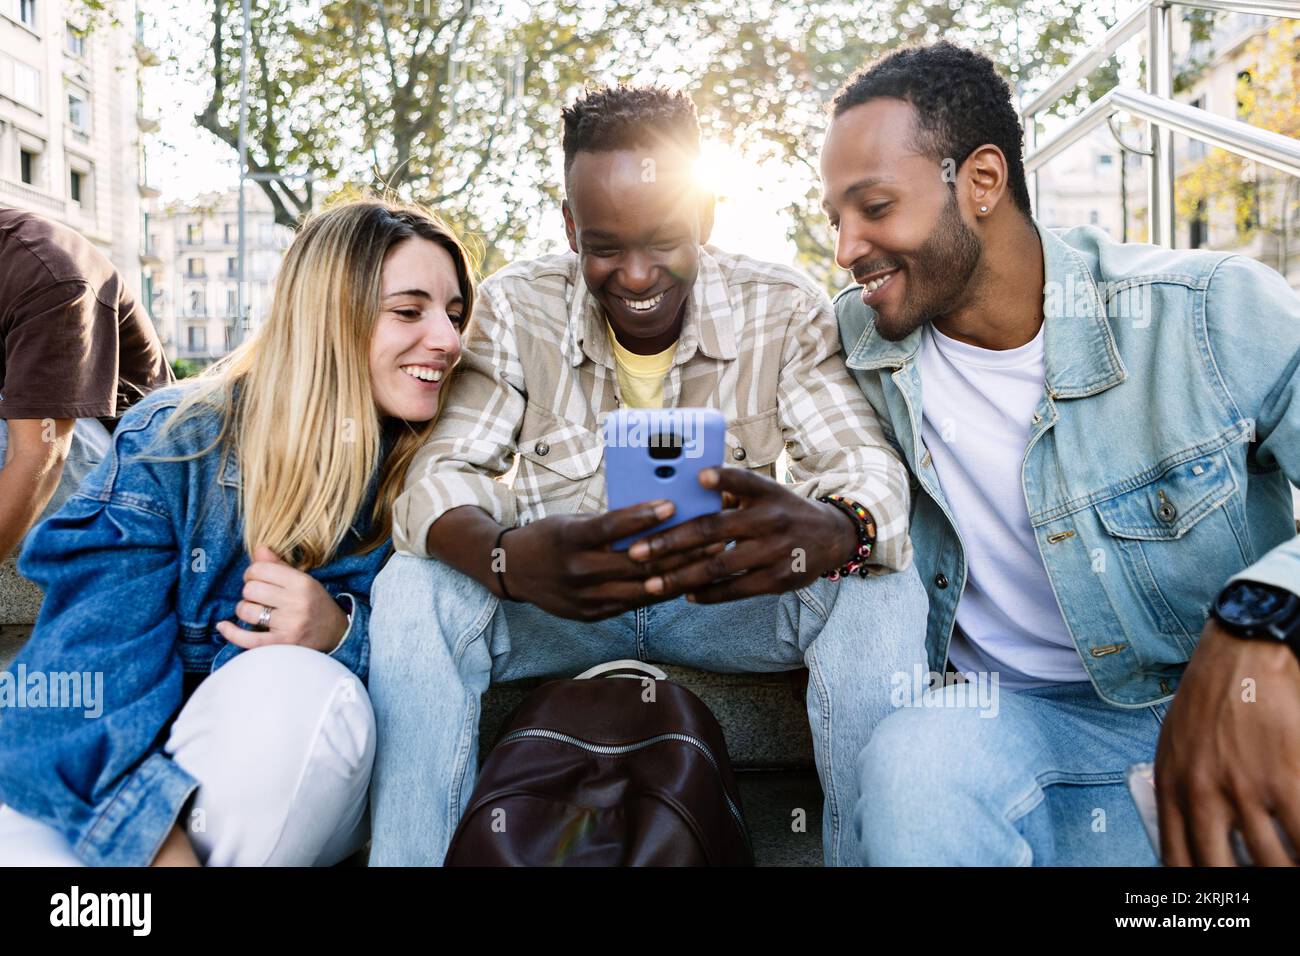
[(640, 313)]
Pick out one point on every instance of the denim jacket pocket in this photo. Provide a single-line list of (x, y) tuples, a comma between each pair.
[(1177, 541)]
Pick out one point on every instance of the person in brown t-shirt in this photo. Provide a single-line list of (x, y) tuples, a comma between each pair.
[(76, 351)]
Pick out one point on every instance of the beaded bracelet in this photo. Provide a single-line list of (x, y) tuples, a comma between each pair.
[(866, 528)]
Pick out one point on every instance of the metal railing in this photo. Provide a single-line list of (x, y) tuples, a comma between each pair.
[(1157, 107)]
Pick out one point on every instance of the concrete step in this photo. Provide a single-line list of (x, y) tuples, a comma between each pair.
[(12, 637), (20, 600), (783, 809)]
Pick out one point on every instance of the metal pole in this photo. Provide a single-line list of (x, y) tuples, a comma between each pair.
[(1160, 83), (238, 335), (1030, 123), (1123, 194)]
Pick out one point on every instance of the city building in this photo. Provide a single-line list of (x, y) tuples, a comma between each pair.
[(1083, 186), (72, 121), (194, 273)]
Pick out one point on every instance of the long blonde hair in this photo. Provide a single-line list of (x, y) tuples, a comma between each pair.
[(295, 400)]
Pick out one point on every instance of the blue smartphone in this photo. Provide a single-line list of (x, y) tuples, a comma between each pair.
[(659, 453)]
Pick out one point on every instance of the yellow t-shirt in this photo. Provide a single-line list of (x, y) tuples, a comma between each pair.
[(641, 377)]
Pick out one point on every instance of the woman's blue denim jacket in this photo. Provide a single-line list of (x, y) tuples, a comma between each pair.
[(1158, 458), (137, 568)]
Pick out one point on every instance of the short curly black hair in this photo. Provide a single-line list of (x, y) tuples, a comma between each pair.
[(961, 103), (623, 117)]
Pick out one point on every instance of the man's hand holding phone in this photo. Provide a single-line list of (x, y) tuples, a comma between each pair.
[(566, 565), (783, 541)]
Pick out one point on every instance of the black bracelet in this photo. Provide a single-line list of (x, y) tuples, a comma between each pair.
[(501, 575)]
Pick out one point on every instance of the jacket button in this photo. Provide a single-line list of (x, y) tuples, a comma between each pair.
[(738, 454), (1166, 512), (541, 448), (941, 580)]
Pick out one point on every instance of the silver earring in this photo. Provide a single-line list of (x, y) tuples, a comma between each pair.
[(984, 208)]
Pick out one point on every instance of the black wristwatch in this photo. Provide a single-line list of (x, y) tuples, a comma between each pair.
[(1256, 611)]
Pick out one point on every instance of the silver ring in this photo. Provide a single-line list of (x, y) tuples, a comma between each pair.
[(264, 619)]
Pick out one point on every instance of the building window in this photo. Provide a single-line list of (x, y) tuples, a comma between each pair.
[(193, 234), (196, 338), (76, 184), (194, 267), (1094, 218), (1105, 159), (76, 40), (27, 12), (232, 266), (78, 113), (232, 232), (196, 302), (232, 302), (27, 85), (27, 167)]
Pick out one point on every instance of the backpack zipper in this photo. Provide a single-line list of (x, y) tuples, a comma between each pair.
[(617, 749)]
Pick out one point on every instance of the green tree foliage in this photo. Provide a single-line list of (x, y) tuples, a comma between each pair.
[(453, 103), (772, 73), (456, 102)]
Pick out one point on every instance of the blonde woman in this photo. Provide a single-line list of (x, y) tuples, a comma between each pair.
[(203, 644)]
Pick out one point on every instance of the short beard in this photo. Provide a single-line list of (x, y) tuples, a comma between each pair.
[(938, 275)]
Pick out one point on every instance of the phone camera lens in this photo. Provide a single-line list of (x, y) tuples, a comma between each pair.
[(666, 446)]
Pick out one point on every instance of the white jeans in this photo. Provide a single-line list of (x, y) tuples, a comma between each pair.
[(281, 740)]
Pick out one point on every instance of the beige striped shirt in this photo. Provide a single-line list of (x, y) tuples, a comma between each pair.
[(537, 377)]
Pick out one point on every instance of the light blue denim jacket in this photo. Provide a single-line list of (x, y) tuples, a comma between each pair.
[(137, 568), (1158, 461)]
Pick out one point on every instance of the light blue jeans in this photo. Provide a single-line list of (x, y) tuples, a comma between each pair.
[(90, 443), (1042, 781), (438, 638)]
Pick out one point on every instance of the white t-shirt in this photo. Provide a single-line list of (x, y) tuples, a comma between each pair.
[(978, 408)]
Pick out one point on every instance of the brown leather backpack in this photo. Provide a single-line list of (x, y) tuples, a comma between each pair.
[(610, 772)]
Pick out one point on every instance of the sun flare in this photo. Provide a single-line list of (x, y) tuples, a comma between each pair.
[(750, 214)]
